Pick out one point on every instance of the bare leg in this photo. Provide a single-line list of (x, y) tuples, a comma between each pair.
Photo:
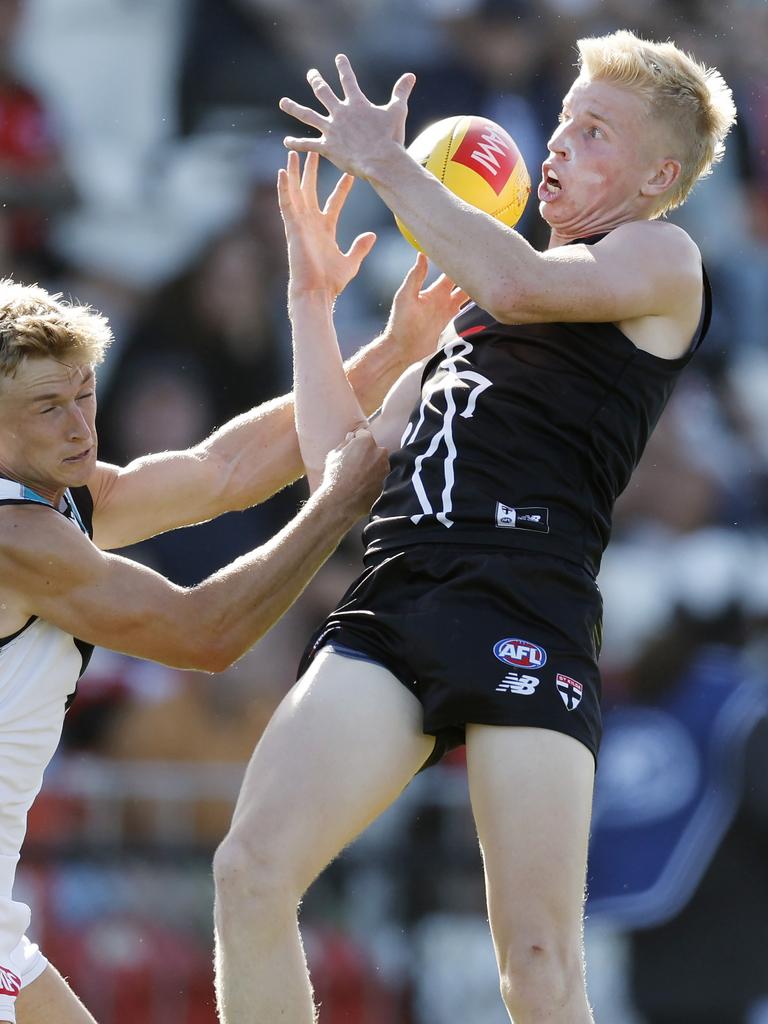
[(531, 793), (339, 749), (49, 998)]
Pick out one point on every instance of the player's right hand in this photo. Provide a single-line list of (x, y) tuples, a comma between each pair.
[(354, 473)]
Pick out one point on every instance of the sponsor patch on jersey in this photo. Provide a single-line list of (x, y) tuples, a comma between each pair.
[(10, 983), (514, 682), (570, 690), (510, 518), (520, 653)]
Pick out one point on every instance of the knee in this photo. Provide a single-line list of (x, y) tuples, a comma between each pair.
[(247, 875), (541, 977)]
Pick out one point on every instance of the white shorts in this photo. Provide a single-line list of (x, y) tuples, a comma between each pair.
[(22, 967)]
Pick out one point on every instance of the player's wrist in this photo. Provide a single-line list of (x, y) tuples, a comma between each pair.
[(335, 505), (383, 165), (310, 300)]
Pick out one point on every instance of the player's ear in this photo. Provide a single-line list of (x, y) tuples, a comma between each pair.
[(665, 176)]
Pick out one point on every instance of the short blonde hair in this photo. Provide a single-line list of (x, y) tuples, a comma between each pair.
[(693, 100), (35, 324)]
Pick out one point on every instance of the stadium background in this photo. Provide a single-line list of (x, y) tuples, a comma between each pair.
[(139, 142)]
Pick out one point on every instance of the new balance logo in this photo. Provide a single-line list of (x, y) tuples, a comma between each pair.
[(10, 983), (515, 683), (510, 518)]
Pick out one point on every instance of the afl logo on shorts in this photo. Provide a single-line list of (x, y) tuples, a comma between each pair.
[(520, 653), (10, 983)]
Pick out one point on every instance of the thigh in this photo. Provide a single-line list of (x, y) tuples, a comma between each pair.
[(49, 998), (531, 792), (339, 749)]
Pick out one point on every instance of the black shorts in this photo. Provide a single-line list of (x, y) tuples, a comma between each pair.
[(479, 635)]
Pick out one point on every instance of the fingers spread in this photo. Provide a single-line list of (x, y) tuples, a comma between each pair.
[(418, 272), (347, 77), (336, 199), (322, 90), (302, 113), (402, 88), (283, 193), (309, 178), (303, 145), (360, 248)]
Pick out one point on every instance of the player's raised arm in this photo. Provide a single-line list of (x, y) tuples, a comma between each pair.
[(591, 154), (326, 406)]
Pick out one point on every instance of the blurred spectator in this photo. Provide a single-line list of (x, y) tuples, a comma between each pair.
[(209, 345), (33, 180)]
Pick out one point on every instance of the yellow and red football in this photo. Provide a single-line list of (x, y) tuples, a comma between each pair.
[(478, 161)]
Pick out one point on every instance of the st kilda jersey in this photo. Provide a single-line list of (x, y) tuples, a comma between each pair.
[(524, 436)]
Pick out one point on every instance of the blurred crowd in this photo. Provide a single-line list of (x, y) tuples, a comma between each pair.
[(139, 145)]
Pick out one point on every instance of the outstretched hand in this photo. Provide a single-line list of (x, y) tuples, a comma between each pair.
[(316, 262), (419, 315), (355, 132)]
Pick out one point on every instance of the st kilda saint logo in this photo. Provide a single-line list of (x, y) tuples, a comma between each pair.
[(520, 653), (570, 690)]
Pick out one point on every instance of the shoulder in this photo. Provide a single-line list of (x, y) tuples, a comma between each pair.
[(658, 242), (101, 482), (34, 535)]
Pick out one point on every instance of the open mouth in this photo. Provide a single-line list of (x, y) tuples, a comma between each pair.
[(550, 186), (551, 181)]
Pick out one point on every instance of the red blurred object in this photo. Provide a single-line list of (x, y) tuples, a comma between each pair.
[(347, 987), (129, 969)]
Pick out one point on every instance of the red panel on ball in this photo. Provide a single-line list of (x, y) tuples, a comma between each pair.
[(488, 152)]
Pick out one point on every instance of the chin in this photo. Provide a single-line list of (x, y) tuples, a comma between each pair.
[(79, 473)]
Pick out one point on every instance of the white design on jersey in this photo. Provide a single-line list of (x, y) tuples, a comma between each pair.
[(453, 379)]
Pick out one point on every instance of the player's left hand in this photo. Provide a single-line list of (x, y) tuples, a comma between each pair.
[(315, 259), (419, 315), (355, 133)]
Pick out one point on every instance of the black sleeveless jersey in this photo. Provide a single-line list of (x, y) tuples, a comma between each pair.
[(524, 437)]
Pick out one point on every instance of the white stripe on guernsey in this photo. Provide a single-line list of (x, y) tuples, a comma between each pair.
[(13, 491), (10, 490), (452, 380), (74, 510)]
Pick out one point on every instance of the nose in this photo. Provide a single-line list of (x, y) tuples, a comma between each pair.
[(78, 427), (559, 144)]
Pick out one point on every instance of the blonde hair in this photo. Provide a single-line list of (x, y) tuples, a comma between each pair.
[(35, 324), (693, 100)]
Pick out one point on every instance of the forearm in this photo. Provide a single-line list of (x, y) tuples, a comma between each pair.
[(326, 407), (231, 610), (490, 261), (259, 451)]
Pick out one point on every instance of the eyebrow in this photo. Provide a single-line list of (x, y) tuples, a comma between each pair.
[(599, 117), (53, 395)]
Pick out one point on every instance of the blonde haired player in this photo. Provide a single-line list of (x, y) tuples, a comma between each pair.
[(61, 510), (478, 616)]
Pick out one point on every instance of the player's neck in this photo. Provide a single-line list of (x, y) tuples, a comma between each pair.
[(51, 494)]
